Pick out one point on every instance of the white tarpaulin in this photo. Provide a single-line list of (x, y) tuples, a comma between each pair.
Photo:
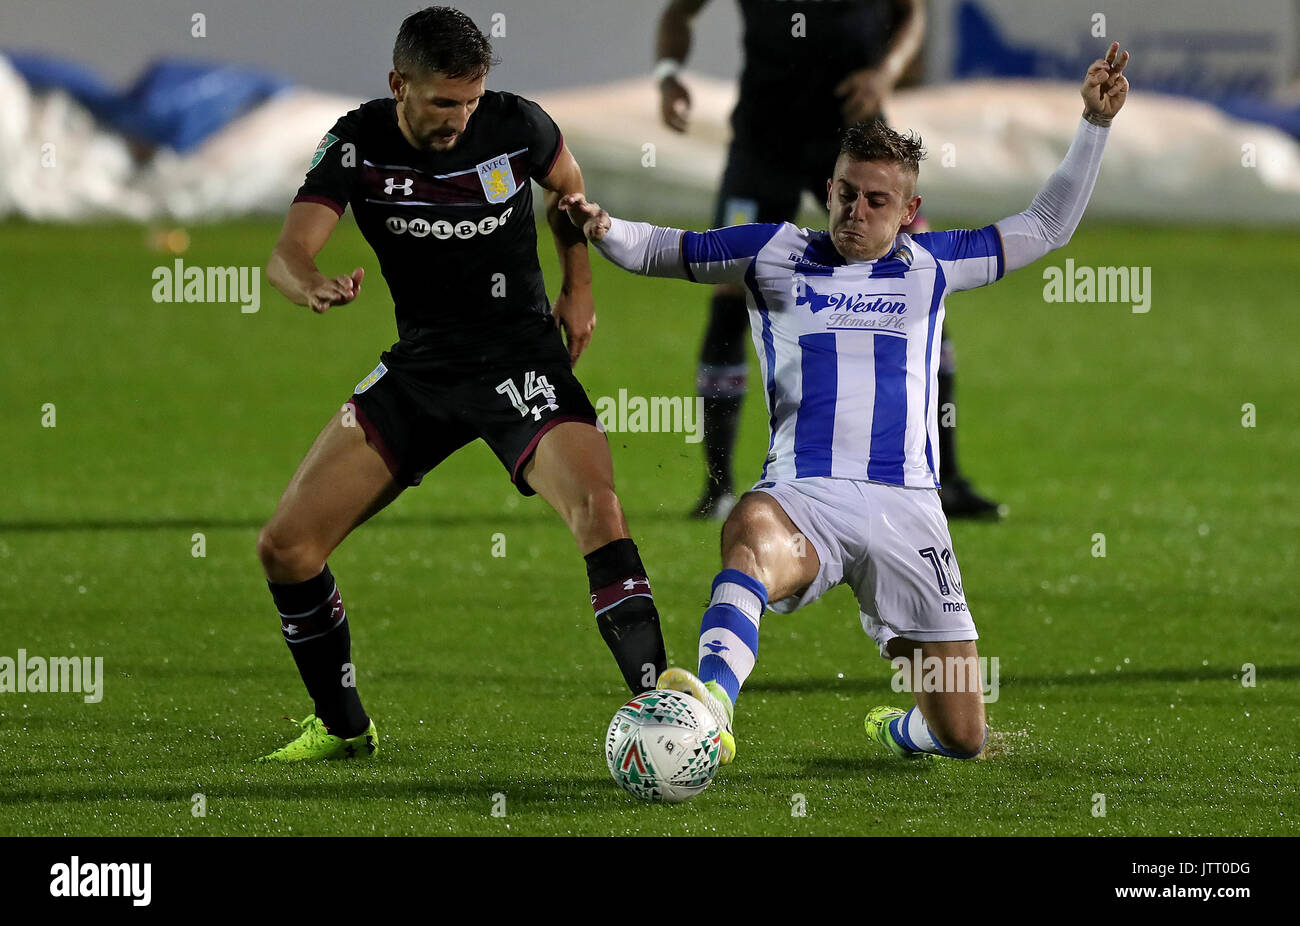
[(58, 164), (991, 146)]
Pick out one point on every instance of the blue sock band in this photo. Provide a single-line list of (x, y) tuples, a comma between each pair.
[(744, 580)]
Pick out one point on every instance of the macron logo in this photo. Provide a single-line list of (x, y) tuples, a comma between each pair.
[(714, 647)]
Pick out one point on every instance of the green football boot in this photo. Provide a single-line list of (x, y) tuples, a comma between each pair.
[(712, 696), (316, 742), (877, 724)]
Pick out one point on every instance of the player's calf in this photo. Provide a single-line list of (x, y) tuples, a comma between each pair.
[(759, 558), (957, 734), (315, 627), (729, 631), (625, 613), (340, 483), (760, 563), (948, 717), (572, 469), (728, 650)]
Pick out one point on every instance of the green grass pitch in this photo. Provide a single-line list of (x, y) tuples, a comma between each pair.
[(1119, 675)]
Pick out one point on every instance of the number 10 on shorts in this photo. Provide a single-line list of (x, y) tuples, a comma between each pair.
[(534, 387), (945, 572)]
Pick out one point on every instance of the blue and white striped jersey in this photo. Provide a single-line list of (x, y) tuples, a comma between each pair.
[(849, 350)]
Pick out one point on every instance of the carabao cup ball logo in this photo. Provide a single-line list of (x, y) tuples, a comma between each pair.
[(662, 746)]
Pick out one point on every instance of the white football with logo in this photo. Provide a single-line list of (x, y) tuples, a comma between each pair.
[(663, 746)]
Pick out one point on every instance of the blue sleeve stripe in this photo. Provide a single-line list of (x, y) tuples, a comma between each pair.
[(739, 242), (963, 244), (686, 264), (1001, 253)]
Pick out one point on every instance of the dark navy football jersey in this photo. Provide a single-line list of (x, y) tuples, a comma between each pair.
[(453, 230), (792, 67)]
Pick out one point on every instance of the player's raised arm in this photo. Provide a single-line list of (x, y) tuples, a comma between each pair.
[(721, 255), (864, 92), (1054, 214), (672, 45)]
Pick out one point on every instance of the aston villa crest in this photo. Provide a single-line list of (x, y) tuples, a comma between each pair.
[(497, 179)]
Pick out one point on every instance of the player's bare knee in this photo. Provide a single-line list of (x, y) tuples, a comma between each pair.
[(964, 739), (596, 509), (746, 524), (969, 746), (285, 559), (739, 542)]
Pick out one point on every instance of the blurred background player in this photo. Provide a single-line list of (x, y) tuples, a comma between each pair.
[(439, 179), (809, 70)]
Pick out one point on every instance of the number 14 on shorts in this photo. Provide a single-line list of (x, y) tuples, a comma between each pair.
[(534, 387)]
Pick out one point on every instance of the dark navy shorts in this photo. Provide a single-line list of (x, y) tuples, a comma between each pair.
[(416, 418)]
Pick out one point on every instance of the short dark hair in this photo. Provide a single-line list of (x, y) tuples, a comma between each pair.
[(872, 140), (442, 40)]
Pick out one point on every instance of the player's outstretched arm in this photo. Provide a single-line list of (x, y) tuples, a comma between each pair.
[(638, 247), (1054, 214), (721, 255), (292, 266)]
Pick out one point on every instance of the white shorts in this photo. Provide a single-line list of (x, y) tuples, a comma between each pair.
[(889, 544)]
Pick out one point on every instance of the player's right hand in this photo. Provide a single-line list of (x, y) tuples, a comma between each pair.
[(674, 104), (593, 220), (335, 291), (1105, 88)]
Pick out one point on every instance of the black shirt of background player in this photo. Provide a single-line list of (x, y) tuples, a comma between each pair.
[(453, 230), (787, 87)]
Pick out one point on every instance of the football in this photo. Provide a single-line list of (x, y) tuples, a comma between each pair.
[(662, 746)]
